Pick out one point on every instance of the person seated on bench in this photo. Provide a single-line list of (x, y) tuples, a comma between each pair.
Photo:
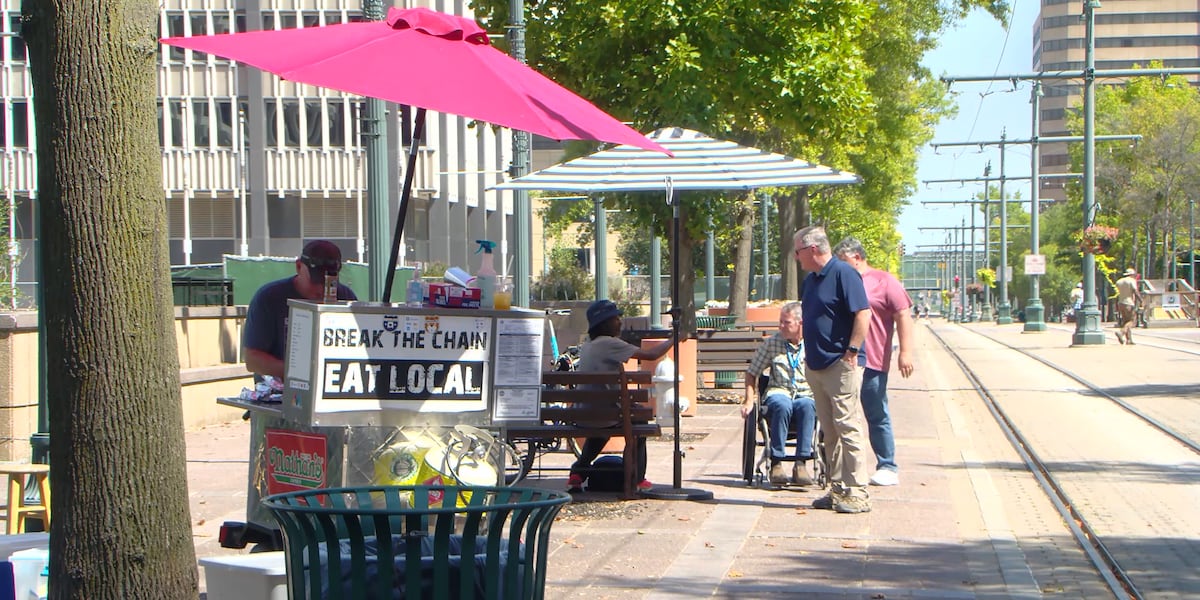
[(789, 400), (606, 351)]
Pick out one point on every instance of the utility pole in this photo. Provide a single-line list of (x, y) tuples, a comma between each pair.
[(1004, 315), (1087, 329), (379, 216), (1035, 319), (1004, 310)]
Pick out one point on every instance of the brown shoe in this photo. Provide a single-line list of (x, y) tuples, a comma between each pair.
[(852, 505), (778, 476), (800, 474)]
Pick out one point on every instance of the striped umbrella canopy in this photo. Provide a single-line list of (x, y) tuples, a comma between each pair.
[(699, 163)]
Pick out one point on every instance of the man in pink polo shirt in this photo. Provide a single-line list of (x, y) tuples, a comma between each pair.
[(890, 311)]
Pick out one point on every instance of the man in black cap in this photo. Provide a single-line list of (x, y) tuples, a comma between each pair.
[(606, 351), (264, 336)]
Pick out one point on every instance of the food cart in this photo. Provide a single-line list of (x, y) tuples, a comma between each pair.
[(371, 392)]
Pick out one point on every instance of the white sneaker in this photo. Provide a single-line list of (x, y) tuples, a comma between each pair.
[(885, 477)]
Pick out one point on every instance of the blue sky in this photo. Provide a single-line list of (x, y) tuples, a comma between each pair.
[(977, 46)]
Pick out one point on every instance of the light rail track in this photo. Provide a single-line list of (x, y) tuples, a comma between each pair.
[(1152, 421), (1091, 539)]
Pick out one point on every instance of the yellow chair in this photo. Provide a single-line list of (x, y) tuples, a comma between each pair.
[(18, 510)]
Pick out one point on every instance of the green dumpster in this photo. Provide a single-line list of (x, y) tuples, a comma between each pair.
[(405, 542)]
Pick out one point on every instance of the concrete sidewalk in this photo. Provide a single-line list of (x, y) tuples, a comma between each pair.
[(949, 530)]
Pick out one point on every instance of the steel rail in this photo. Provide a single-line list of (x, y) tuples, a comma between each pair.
[(1115, 577)]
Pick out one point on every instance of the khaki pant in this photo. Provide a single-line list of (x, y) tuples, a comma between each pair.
[(839, 412), (1128, 316)]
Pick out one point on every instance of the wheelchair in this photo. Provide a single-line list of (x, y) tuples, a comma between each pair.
[(756, 452)]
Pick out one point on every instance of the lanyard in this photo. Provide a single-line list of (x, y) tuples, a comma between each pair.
[(793, 361)]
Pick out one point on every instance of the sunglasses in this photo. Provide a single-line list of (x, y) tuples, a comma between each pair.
[(317, 266)]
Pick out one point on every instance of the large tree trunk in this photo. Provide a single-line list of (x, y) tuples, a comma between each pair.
[(794, 215), (121, 526), (739, 279)]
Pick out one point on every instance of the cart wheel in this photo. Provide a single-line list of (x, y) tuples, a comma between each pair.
[(522, 462)]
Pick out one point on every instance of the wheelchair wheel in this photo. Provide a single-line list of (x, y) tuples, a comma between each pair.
[(820, 471)]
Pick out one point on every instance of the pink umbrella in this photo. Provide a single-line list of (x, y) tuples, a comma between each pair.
[(428, 59)]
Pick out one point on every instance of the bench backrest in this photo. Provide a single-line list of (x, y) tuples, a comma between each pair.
[(563, 398)]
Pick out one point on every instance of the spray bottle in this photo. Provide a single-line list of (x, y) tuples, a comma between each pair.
[(485, 277)]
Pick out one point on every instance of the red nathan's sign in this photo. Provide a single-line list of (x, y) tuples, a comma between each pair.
[(295, 461)]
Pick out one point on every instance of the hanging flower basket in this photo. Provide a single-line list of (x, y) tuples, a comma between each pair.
[(1097, 239)]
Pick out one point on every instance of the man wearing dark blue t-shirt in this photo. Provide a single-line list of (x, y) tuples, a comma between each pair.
[(836, 318), (264, 335)]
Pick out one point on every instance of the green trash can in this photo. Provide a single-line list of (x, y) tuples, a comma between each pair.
[(721, 323), (400, 542)]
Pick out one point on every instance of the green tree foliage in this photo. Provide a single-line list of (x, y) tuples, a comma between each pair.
[(1144, 189), (834, 81), (7, 295), (565, 280)]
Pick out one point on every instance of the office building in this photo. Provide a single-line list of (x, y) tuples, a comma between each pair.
[(1127, 33), (254, 165)]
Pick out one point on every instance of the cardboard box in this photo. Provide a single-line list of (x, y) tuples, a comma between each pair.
[(453, 296)]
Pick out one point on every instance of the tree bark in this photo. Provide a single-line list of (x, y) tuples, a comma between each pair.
[(794, 214), (739, 282), (121, 527)]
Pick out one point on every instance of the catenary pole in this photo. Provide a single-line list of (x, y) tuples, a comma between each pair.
[(1034, 311), (522, 215), (1087, 328), (374, 131)]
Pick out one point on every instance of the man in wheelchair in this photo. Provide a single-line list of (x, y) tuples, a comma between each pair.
[(788, 401)]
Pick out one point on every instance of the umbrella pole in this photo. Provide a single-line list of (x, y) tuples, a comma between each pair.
[(418, 136), (676, 492)]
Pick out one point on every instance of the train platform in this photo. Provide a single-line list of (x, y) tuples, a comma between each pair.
[(966, 521)]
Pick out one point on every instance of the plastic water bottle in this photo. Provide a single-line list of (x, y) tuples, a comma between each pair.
[(416, 293)]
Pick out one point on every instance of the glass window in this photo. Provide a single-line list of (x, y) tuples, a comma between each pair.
[(175, 111), (220, 23), (337, 122), (224, 123), (175, 29), (312, 118), (291, 123), (16, 43), (199, 27), (20, 124), (270, 110), (201, 119)]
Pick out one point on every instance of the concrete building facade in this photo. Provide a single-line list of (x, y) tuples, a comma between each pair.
[(1127, 33), (255, 166)]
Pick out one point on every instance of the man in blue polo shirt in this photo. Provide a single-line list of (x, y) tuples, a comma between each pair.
[(837, 316)]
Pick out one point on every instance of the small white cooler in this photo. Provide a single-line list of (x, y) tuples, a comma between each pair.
[(260, 576)]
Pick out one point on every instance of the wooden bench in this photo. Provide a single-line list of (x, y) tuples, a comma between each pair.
[(727, 351), (568, 409)]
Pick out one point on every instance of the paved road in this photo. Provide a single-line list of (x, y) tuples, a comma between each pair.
[(965, 522)]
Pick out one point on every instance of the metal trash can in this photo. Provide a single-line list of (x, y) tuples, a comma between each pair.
[(720, 323), (338, 541)]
